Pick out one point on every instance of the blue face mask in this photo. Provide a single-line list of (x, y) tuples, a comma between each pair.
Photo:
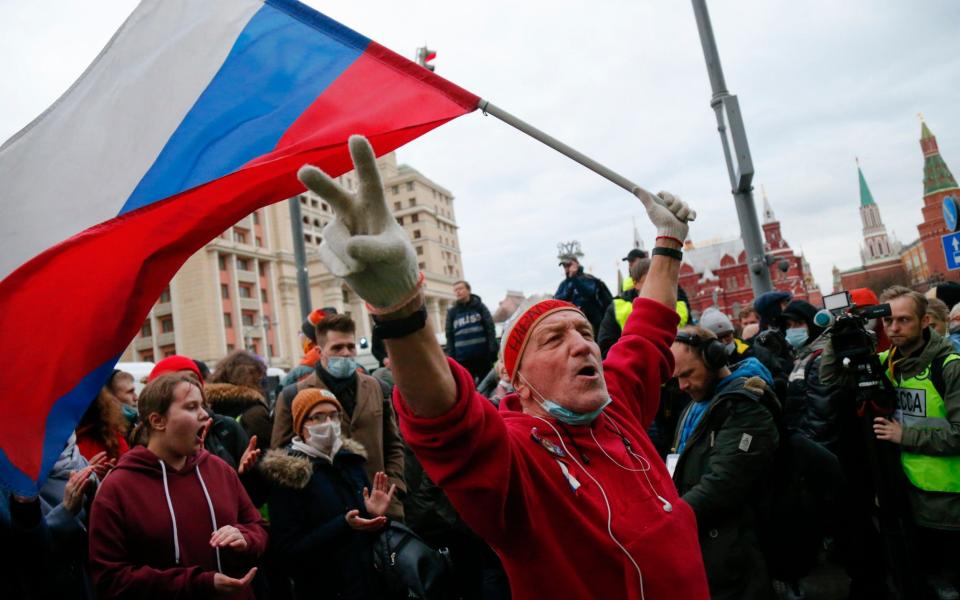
[(341, 367), (564, 414), (129, 412), (796, 336)]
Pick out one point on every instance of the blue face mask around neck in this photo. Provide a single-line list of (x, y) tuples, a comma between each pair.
[(341, 367), (564, 414)]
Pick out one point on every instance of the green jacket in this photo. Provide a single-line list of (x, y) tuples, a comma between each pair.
[(930, 509), (717, 474)]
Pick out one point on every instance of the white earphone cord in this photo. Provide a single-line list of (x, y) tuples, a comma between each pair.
[(667, 505), (606, 501)]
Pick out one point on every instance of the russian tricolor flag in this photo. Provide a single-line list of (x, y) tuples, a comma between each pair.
[(195, 114)]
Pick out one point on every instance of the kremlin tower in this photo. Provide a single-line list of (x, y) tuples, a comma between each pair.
[(938, 184)]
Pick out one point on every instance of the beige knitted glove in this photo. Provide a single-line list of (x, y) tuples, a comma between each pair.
[(364, 244)]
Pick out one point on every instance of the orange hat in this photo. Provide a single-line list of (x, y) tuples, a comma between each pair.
[(304, 402)]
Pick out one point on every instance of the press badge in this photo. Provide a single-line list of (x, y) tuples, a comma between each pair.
[(672, 460), (910, 403), (745, 441)]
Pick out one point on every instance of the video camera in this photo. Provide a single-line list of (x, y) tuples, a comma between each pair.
[(848, 326)]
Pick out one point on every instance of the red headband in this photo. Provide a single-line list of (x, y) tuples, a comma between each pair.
[(520, 332)]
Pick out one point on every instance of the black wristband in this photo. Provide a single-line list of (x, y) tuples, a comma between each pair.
[(669, 252), (397, 328)]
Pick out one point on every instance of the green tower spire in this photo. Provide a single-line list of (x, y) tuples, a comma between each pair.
[(936, 175), (866, 198)]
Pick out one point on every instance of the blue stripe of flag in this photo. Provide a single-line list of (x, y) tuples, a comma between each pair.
[(285, 57)]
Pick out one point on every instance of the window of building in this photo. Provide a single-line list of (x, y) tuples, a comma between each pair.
[(247, 318), (308, 238), (270, 346), (416, 234), (230, 347), (222, 261), (146, 330), (166, 324), (326, 207), (256, 218), (395, 189), (313, 203), (345, 296), (224, 291), (245, 291), (146, 356), (419, 250), (243, 264), (165, 295), (422, 266), (262, 267), (397, 206), (412, 201), (263, 295), (400, 220), (414, 218), (259, 241), (306, 220), (227, 320), (240, 236), (303, 200)]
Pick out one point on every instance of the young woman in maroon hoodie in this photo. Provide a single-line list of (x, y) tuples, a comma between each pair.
[(172, 520)]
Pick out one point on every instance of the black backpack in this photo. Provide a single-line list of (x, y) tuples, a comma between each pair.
[(408, 567)]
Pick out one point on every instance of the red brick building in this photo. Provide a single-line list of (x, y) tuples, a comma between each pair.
[(715, 272), (938, 183)]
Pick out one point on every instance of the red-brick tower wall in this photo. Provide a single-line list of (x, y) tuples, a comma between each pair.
[(938, 183)]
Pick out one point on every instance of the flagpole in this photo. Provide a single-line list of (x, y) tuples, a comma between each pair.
[(491, 109)]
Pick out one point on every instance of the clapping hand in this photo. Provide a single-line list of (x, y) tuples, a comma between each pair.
[(77, 487), (224, 584), (102, 465), (377, 501), (364, 244), (250, 456), (230, 537)]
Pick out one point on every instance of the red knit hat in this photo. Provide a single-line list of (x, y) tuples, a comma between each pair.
[(172, 364), (520, 332), (864, 297)]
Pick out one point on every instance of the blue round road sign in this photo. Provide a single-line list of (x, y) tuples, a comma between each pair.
[(950, 212)]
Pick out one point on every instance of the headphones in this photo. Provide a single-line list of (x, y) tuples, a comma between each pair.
[(711, 350)]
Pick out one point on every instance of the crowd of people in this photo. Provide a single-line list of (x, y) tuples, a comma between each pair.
[(601, 447)]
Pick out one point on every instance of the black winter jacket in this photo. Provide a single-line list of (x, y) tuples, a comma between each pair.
[(811, 407), (588, 293), (729, 452), (609, 331), (309, 500)]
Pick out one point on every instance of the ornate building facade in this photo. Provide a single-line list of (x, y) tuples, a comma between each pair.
[(715, 273), (240, 290)]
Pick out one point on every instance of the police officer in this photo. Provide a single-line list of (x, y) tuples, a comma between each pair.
[(616, 314)]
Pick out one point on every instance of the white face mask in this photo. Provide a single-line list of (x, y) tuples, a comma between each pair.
[(324, 436)]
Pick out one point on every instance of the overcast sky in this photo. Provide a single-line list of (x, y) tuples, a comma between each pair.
[(819, 83)]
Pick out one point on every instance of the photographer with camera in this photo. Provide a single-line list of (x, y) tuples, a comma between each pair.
[(924, 372)]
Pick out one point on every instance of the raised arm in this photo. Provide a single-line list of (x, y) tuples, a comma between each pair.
[(366, 247), (641, 360)]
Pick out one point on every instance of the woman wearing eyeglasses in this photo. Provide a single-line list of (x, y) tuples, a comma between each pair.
[(324, 514)]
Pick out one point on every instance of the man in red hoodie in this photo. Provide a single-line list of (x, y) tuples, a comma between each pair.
[(563, 481)]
